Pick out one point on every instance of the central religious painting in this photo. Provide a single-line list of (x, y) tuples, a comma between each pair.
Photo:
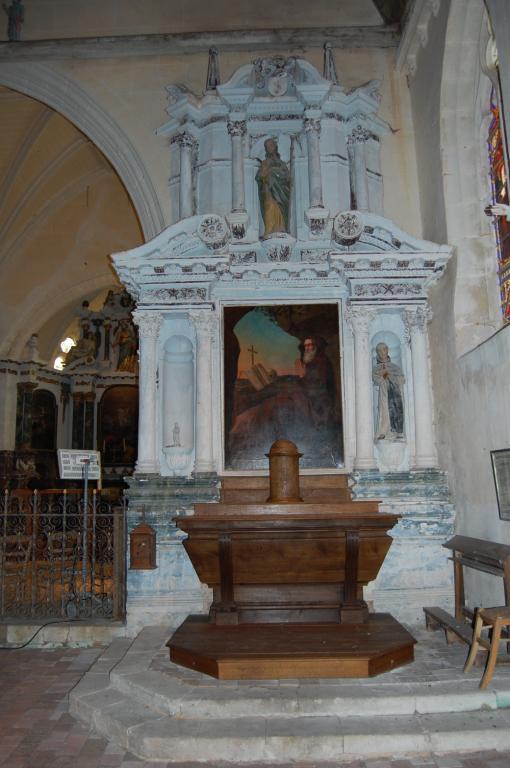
[(282, 381)]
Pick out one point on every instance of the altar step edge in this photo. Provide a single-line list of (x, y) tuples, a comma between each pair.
[(158, 717)]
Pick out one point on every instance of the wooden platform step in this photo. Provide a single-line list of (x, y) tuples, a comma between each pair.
[(272, 651)]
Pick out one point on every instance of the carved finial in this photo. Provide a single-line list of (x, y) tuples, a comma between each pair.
[(213, 70), (329, 65)]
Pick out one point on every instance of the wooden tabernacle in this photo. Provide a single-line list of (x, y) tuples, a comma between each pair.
[(287, 580)]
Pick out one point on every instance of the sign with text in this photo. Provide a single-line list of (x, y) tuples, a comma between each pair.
[(72, 463)]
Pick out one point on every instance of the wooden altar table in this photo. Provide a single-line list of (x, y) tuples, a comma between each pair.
[(287, 583)]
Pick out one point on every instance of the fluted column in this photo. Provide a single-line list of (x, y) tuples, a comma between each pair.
[(313, 132), (148, 324), (416, 321), (205, 325), (357, 141), (187, 144), (359, 320)]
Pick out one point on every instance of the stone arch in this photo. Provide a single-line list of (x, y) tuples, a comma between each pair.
[(53, 88), (43, 309), (465, 89)]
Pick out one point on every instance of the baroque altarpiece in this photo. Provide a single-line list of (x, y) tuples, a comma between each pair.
[(281, 299)]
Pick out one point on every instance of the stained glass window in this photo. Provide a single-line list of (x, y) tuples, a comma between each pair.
[(499, 184)]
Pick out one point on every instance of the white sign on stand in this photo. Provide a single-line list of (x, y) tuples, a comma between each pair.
[(71, 464)]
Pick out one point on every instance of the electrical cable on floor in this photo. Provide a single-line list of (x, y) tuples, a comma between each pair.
[(47, 624)]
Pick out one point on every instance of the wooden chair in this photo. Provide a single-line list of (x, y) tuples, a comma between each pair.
[(489, 618)]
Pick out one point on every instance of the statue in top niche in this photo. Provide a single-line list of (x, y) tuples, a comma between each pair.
[(273, 180)]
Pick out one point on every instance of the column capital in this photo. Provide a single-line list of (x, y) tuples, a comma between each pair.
[(148, 322), (185, 140), (358, 135), (236, 127), (312, 124), (416, 318), (359, 318), (204, 321)]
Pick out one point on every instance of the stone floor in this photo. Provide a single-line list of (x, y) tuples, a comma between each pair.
[(39, 732)]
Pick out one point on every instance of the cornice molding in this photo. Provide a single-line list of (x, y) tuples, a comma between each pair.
[(384, 36)]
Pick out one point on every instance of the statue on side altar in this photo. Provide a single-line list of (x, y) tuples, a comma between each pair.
[(15, 18), (273, 179), (84, 351), (125, 340), (390, 408)]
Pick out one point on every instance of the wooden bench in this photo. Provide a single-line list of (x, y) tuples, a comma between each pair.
[(480, 555)]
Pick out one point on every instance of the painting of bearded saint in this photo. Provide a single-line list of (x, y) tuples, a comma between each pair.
[(282, 381)]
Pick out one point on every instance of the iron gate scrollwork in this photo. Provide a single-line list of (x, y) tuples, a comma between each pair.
[(60, 557)]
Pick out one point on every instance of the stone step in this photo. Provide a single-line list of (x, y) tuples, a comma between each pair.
[(152, 736), (134, 696), (172, 697)]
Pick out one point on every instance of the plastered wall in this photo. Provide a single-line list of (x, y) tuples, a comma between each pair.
[(469, 348)]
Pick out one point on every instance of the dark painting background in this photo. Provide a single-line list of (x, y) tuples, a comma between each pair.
[(271, 393)]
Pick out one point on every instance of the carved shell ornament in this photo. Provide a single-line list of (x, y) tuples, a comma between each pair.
[(213, 231), (347, 227)]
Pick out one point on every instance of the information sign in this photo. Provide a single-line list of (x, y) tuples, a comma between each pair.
[(71, 464)]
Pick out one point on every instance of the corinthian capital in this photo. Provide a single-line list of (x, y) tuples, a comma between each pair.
[(359, 319), (185, 140), (204, 321), (312, 124), (236, 127), (148, 323), (358, 135), (416, 319)]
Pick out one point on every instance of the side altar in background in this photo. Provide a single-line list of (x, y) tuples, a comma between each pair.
[(281, 303), (90, 403), (287, 575)]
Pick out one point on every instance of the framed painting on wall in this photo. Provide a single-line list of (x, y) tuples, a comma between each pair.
[(118, 425), (501, 469), (282, 381)]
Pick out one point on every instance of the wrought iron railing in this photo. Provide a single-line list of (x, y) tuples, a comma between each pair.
[(61, 556)]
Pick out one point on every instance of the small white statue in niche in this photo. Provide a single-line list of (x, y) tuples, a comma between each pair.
[(388, 377)]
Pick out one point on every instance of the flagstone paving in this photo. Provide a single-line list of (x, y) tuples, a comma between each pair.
[(38, 731)]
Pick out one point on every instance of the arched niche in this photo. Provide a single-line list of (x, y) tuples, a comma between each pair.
[(178, 406)]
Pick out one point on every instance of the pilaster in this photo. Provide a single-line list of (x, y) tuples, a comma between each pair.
[(205, 323), (359, 318), (416, 321)]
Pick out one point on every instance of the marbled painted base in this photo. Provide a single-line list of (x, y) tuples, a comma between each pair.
[(168, 594), (416, 571)]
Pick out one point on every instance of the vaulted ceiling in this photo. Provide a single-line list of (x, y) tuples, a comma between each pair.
[(61, 205)]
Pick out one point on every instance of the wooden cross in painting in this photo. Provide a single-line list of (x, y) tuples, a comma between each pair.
[(252, 352)]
